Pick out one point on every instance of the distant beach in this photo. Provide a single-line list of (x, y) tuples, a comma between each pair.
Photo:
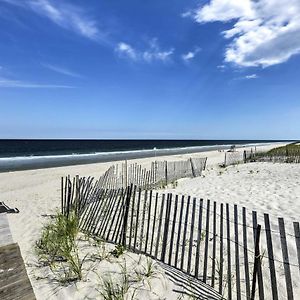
[(18, 155)]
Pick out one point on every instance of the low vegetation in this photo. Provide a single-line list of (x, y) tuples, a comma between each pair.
[(58, 249), (118, 251), (288, 150)]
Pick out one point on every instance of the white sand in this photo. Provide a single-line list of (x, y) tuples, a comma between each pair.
[(274, 188)]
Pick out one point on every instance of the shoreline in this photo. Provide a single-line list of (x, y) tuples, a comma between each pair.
[(11, 164)]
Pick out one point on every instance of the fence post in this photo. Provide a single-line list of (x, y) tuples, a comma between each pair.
[(225, 160), (126, 173), (256, 262), (62, 195), (192, 167), (166, 172), (245, 156), (125, 221), (204, 167)]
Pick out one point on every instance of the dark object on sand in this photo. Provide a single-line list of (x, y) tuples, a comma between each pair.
[(232, 148), (5, 209)]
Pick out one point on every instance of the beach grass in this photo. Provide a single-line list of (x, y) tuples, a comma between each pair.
[(57, 247), (288, 150)]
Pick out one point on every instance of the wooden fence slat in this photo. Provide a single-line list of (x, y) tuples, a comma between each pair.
[(271, 257), (166, 228), (179, 231), (237, 255), (191, 237), (173, 230), (220, 271), (62, 195), (214, 245), (137, 219), (297, 239), (206, 242), (148, 221), (159, 225), (228, 253), (246, 262), (285, 257), (143, 219), (184, 232), (132, 218), (256, 260), (259, 270), (199, 237), (126, 213), (154, 222)]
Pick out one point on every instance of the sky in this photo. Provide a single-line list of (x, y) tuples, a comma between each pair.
[(152, 69)]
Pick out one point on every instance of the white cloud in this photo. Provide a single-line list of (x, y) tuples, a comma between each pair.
[(126, 50), (190, 55), (62, 13), (157, 55), (187, 14), (62, 70), (8, 83), (252, 76), (264, 32), (152, 53)]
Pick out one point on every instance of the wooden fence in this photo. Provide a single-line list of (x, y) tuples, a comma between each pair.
[(237, 157), (160, 174), (217, 243)]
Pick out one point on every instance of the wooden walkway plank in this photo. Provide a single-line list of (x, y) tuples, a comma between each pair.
[(5, 234), (14, 281)]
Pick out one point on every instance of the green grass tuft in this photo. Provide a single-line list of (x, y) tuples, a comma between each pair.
[(57, 247)]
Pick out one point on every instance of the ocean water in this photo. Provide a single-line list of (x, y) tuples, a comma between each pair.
[(34, 154)]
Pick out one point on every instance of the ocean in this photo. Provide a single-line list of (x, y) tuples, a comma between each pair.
[(34, 154)]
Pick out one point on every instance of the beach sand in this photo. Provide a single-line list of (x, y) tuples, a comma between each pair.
[(265, 187)]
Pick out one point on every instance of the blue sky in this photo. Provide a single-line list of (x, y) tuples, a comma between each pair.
[(150, 69)]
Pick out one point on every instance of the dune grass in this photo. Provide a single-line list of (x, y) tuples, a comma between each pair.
[(57, 247), (288, 150)]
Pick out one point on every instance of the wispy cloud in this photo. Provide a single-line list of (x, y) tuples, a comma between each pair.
[(190, 55), (152, 53), (252, 76), (8, 83), (221, 67), (64, 14), (126, 50), (187, 14), (61, 70)]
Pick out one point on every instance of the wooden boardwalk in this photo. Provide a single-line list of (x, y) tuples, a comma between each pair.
[(14, 282)]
